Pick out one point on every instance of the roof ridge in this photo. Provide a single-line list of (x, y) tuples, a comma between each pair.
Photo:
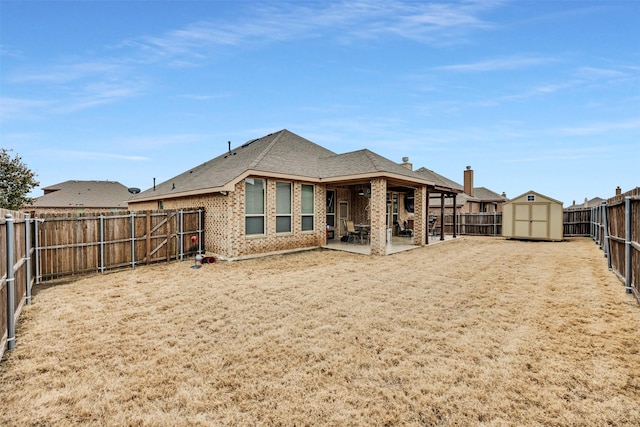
[(266, 150)]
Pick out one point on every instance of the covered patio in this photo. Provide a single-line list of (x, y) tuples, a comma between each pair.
[(398, 244), (381, 215)]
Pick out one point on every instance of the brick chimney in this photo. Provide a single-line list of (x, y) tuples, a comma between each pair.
[(618, 191), (468, 181), (405, 163)]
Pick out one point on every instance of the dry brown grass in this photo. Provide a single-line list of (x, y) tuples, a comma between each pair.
[(478, 331)]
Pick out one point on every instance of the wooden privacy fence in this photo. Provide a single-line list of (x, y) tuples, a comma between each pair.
[(55, 245), (617, 230), (77, 244), (472, 224), (615, 227), (16, 279), (577, 222)]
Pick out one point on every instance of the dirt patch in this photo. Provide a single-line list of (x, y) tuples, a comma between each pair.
[(478, 331)]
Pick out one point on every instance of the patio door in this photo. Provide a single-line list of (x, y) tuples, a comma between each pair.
[(343, 215)]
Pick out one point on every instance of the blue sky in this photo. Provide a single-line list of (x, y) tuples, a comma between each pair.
[(533, 95)]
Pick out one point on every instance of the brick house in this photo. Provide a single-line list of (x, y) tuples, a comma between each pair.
[(283, 192)]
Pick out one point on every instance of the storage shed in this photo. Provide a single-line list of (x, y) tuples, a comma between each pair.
[(532, 216)]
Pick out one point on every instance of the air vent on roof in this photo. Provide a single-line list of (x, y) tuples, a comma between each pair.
[(249, 143)]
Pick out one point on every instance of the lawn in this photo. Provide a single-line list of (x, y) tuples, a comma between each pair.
[(476, 331)]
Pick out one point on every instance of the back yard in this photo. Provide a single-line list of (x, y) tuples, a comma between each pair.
[(477, 331)]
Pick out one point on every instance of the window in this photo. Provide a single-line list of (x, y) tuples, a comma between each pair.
[(307, 207), (531, 198), (331, 208), (283, 207), (254, 206)]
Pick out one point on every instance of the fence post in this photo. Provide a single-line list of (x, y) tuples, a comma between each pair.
[(607, 245), (199, 231), (627, 242), (27, 238), (133, 240), (101, 244), (36, 250), (180, 231), (11, 289)]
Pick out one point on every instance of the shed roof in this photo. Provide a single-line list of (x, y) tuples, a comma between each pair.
[(515, 199)]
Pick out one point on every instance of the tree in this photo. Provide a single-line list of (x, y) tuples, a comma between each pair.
[(16, 181)]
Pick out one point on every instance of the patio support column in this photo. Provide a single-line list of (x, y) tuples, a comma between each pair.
[(420, 226), (442, 216), (378, 211), (455, 225), (426, 209)]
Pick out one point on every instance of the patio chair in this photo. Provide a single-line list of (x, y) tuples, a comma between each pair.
[(352, 233), (404, 230), (433, 226)]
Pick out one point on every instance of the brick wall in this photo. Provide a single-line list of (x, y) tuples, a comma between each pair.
[(224, 221)]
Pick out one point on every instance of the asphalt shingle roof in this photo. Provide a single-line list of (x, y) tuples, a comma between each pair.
[(281, 153), (438, 179), (84, 194)]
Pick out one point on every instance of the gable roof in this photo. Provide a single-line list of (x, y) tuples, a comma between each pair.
[(596, 201), (280, 154), (438, 179), (515, 199), (486, 195), (83, 194), (363, 163)]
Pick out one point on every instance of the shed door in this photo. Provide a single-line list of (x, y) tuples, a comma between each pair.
[(531, 220), (540, 221)]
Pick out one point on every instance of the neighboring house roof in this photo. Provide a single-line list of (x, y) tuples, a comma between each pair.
[(83, 194), (596, 201), (485, 195), (480, 194), (280, 154)]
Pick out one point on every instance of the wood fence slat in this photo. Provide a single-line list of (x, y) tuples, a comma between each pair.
[(71, 244)]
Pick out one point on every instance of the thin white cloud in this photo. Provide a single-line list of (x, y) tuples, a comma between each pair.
[(70, 72), (500, 64), (92, 155), (13, 108), (599, 128), (599, 73), (345, 21), (100, 93)]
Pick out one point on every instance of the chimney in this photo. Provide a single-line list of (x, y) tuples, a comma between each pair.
[(468, 181), (618, 190), (405, 163)]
